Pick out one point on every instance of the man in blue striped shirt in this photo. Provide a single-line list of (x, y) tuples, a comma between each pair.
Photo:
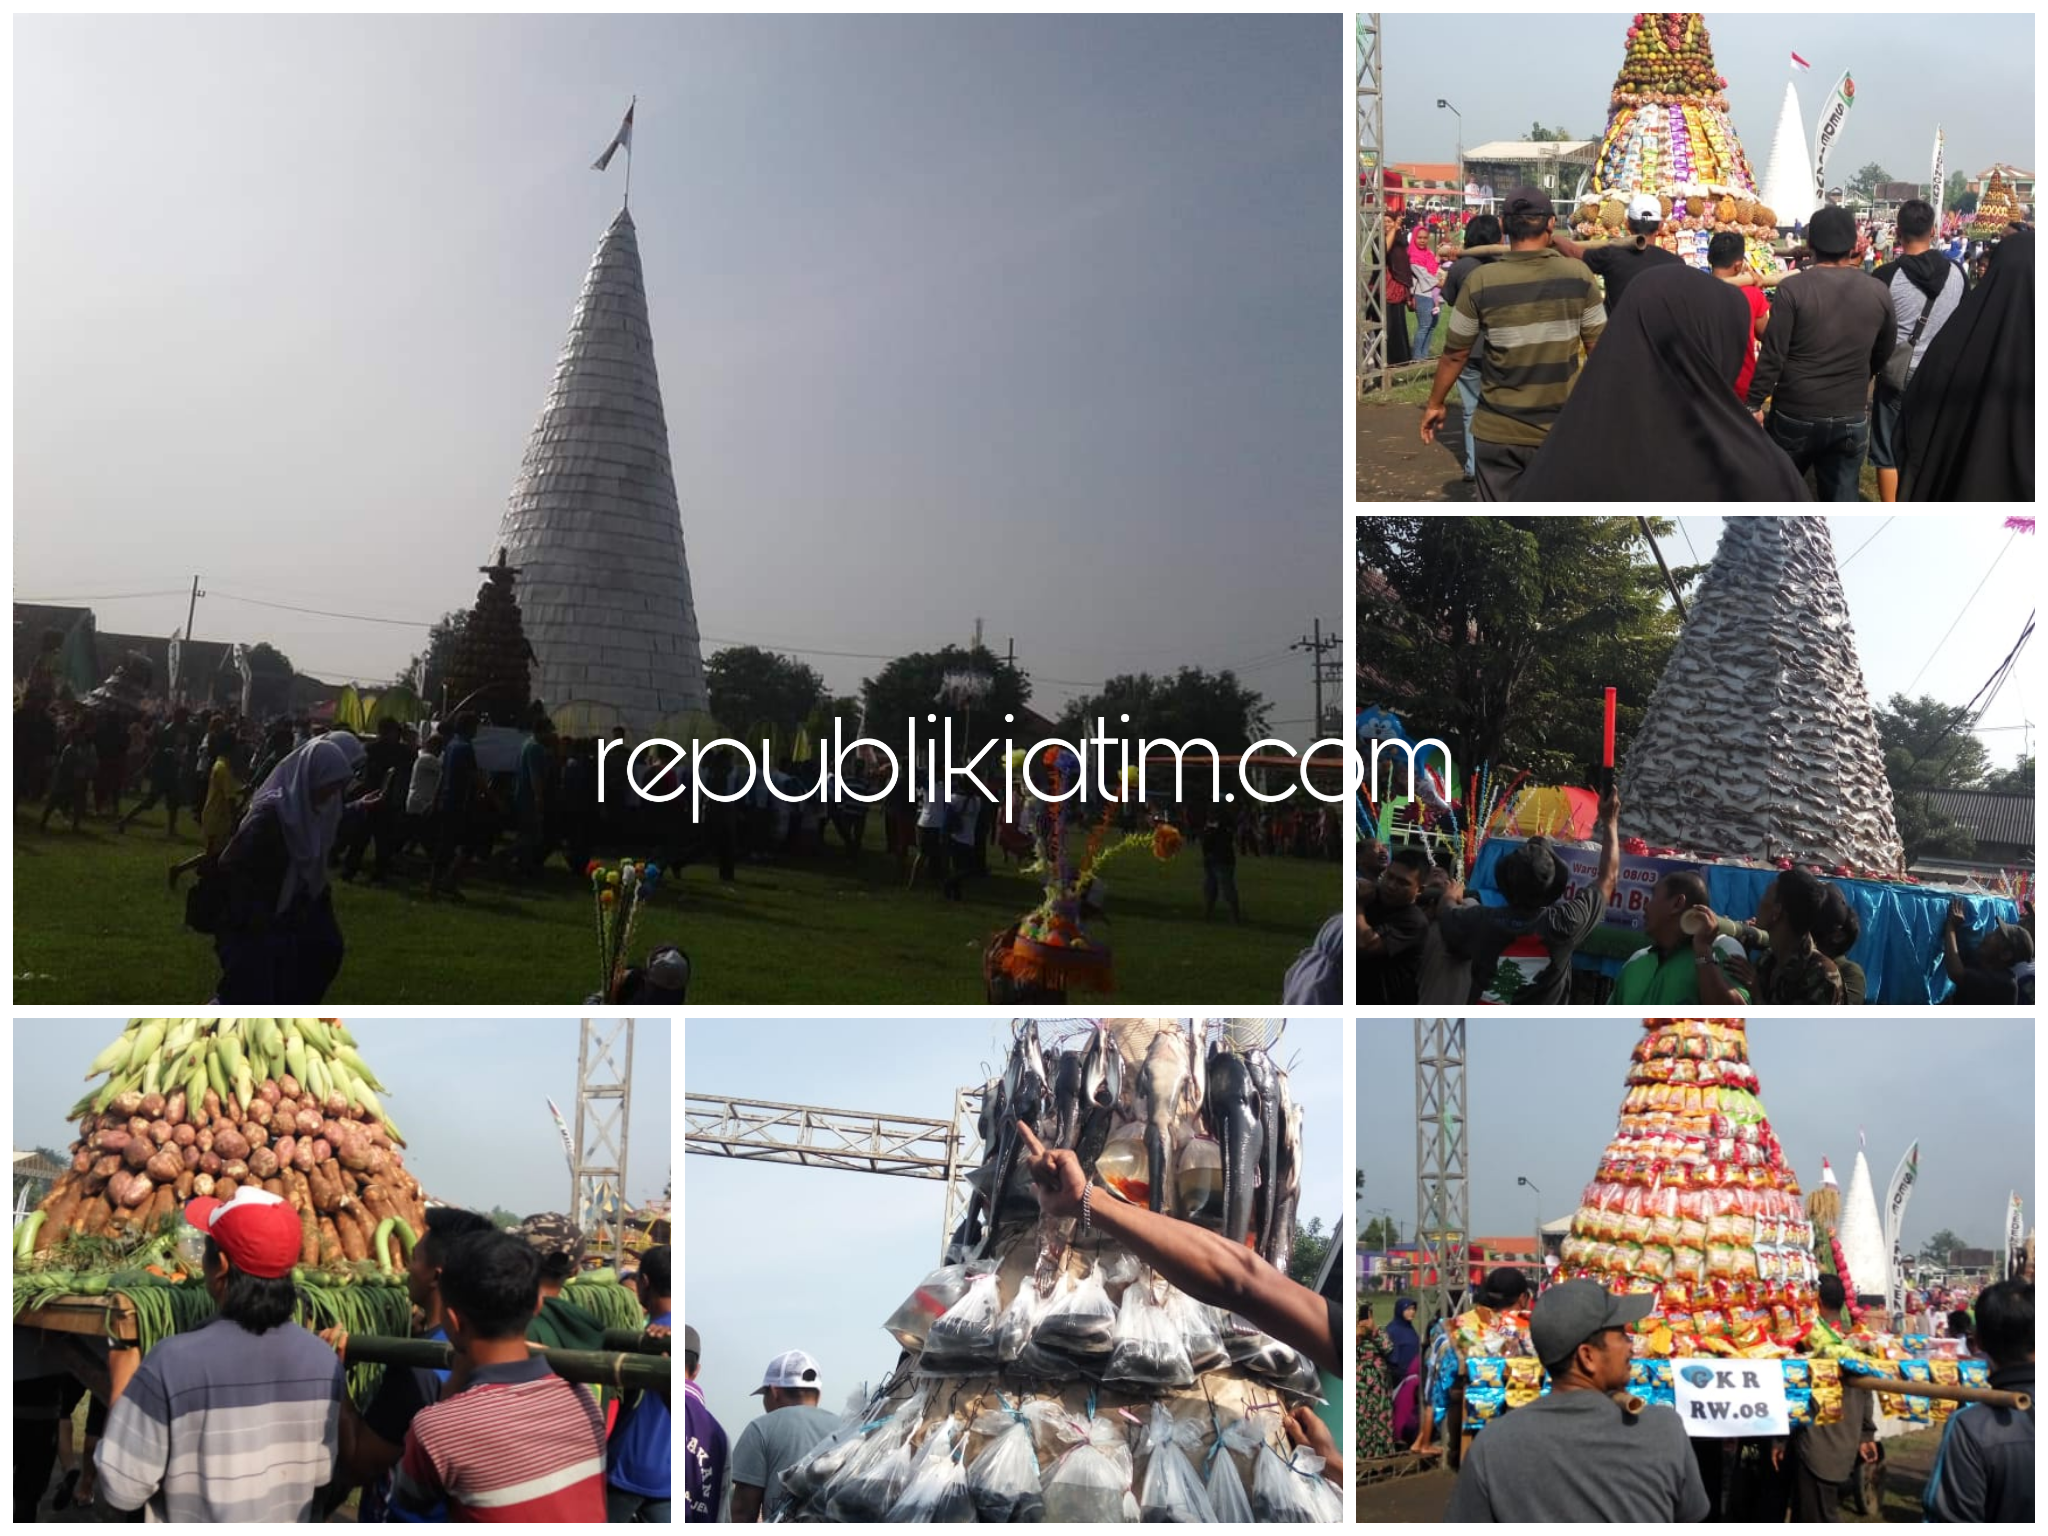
[(239, 1420)]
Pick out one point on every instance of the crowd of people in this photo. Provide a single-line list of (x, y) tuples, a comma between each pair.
[(247, 1418), (1588, 1450), (1423, 939), (1613, 367)]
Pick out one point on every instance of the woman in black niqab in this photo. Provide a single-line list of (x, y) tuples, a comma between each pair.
[(1654, 416), (1966, 429)]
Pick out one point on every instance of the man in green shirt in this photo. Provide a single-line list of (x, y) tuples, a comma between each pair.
[(1529, 313), (1677, 967)]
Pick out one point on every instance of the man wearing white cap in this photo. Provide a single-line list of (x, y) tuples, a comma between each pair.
[(792, 1423), (1617, 262)]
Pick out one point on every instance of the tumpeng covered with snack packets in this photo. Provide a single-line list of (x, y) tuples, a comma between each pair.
[(1046, 1374), (1695, 1201)]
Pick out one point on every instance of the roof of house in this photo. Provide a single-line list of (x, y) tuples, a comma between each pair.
[(2009, 172), (1991, 817)]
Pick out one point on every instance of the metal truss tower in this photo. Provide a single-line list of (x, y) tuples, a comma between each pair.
[(1372, 202), (1443, 1195), (604, 1111)]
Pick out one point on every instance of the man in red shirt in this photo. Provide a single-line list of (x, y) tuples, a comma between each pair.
[(1725, 256), (509, 1440)]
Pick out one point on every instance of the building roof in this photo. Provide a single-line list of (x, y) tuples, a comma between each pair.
[(32, 1165), (1418, 170), (2009, 172), (1989, 816), (1536, 154)]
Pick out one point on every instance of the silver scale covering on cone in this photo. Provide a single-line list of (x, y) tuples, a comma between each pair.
[(593, 523), (1759, 740)]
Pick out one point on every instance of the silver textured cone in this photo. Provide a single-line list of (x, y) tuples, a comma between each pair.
[(1759, 741), (593, 523)]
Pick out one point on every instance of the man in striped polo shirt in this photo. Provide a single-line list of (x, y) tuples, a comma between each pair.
[(1529, 313), (509, 1439)]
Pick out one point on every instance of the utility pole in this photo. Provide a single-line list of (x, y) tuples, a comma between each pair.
[(1321, 671)]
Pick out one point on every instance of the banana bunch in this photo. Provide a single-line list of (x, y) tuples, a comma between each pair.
[(231, 1057)]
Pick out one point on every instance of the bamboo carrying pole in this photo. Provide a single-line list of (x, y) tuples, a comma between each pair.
[(633, 1341), (627, 1372), (1991, 1397)]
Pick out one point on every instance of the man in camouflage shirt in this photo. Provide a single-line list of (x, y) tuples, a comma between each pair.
[(1530, 313)]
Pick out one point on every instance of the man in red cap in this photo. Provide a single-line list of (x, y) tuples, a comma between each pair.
[(239, 1420)]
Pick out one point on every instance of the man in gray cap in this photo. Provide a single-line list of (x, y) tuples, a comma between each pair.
[(1832, 328), (1582, 1452), (704, 1447), (790, 1425)]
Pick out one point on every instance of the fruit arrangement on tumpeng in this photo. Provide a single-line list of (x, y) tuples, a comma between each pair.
[(205, 1106)]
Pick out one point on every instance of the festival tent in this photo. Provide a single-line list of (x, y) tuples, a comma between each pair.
[(1863, 1247), (1668, 134), (1759, 741)]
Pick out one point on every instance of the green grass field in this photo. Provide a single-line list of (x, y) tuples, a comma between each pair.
[(95, 924)]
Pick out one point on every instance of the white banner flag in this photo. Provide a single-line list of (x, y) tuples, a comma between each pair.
[(241, 659), (1901, 1190), (623, 139), (2015, 1239), (1935, 196), (176, 649), (1837, 106)]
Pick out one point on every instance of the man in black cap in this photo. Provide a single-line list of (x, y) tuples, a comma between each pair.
[(1584, 1450), (1461, 951), (1529, 314), (1832, 327)]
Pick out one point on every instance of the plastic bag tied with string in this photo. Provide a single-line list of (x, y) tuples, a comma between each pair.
[(1293, 1491), (1225, 1478), (936, 1493), (825, 1460), (1197, 1326), (872, 1479), (1003, 1481), (1076, 1335), (1150, 1355), (963, 1341), (1172, 1493), (1091, 1480), (935, 1295)]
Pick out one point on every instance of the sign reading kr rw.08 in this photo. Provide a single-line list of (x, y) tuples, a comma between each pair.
[(1730, 1397)]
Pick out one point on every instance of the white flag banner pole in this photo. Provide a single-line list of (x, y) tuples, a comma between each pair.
[(1901, 1190), (175, 650), (2015, 1238), (1832, 112), (1935, 196)]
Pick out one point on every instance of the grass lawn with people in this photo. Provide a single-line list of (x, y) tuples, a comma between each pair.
[(93, 923)]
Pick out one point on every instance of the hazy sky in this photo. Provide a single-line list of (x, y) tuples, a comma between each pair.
[(1033, 320), (1543, 1095), (780, 1257), (1973, 75), (1914, 580), (470, 1094)]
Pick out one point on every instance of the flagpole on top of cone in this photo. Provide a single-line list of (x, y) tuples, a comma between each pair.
[(627, 202)]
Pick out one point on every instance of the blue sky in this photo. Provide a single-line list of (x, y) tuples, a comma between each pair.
[(1542, 1097), (1033, 320), (780, 1257), (1974, 74), (470, 1095)]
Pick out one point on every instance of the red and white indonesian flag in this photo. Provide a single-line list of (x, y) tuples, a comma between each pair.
[(1800, 64), (623, 139)]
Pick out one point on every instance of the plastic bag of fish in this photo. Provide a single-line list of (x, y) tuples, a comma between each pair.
[(935, 1296), (1150, 1354), (1172, 1493), (963, 1342), (1076, 1335), (936, 1493), (867, 1486), (1293, 1491), (1267, 1358), (1003, 1481), (1224, 1482), (1091, 1481)]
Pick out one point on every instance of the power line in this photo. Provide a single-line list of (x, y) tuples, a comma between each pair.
[(1867, 542), (325, 613), (103, 597), (1963, 610)]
